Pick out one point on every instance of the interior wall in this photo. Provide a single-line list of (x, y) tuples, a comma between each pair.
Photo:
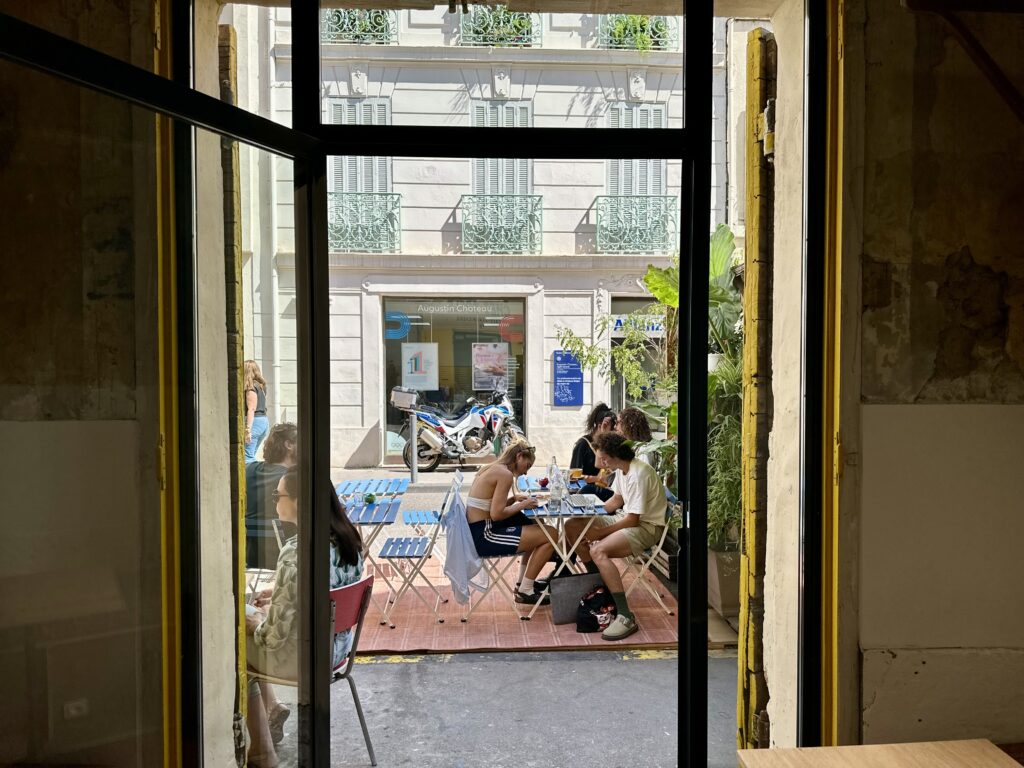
[(81, 554), (941, 335), (941, 632), (781, 582), (218, 600)]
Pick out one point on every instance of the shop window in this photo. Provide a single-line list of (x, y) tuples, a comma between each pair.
[(449, 350), (620, 397)]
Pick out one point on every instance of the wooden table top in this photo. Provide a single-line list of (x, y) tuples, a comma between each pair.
[(975, 753)]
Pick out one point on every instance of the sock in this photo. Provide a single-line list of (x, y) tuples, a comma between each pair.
[(526, 586), (622, 605), (522, 569), (591, 568)]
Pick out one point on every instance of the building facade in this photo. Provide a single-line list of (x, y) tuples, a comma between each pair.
[(459, 263)]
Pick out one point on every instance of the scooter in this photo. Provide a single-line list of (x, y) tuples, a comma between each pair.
[(467, 433)]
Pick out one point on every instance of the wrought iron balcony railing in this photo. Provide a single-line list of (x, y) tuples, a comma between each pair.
[(498, 26), (637, 224), (501, 223), (638, 33), (364, 222), (358, 26)]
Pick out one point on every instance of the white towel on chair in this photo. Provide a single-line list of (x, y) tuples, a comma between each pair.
[(462, 564)]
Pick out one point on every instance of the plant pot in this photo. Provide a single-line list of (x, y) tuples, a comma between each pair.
[(714, 359), (724, 582)]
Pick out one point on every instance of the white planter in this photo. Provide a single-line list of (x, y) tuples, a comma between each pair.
[(714, 359)]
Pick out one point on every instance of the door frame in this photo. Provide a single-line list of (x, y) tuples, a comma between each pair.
[(308, 144)]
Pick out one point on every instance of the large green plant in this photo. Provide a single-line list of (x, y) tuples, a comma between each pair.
[(642, 33), (725, 303)]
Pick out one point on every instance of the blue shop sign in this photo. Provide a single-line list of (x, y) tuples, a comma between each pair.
[(567, 380)]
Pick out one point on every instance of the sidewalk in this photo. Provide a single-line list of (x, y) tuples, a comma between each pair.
[(525, 710)]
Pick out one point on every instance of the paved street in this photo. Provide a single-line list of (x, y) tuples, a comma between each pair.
[(525, 710)]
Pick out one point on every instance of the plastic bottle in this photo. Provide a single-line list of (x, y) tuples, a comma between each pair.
[(555, 482)]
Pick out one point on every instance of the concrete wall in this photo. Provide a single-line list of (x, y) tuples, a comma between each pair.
[(943, 322), (781, 582)]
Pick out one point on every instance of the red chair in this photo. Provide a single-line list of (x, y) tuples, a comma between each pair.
[(348, 609)]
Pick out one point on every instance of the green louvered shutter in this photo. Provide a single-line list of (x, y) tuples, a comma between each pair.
[(636, 177), (501, 176), (359, 174)]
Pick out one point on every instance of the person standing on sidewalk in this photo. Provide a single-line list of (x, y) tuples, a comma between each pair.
[(638, 509), (256, 422)]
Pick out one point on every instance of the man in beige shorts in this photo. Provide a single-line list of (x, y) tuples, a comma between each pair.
[(638, 509)]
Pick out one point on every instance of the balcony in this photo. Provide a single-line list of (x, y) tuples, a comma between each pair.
[(498, 26), (637, 224), (364, 222), (501, 223), (359, 27), (638, 33)]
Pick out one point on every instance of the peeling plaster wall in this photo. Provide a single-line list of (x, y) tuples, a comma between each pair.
[(941, 339), (944, 178), (781, 585)]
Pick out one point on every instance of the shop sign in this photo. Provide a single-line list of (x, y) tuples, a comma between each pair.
[(459, 308), (419, 366), (490, 367), (654, 326), (567, 380)]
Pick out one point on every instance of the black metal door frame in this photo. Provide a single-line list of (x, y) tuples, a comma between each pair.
[(308, 144)]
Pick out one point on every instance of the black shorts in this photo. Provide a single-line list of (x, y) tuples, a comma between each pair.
[(496, 540)]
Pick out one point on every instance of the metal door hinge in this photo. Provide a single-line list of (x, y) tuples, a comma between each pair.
[(766, 129)]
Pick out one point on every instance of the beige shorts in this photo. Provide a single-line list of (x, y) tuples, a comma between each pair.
[(641, 537)]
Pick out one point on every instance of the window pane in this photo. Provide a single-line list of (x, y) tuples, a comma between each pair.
[(492, 66), (84, 549)]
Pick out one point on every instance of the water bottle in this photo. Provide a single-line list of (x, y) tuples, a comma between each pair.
[(555, 483)]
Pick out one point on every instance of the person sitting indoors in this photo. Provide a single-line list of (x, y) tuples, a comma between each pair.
[(271, 623), (634, 426), (639, 507), (261, 478), (498, 525), (600, 419)]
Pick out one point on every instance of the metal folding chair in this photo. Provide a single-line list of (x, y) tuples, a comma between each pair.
[(407, 555), (641, 564), (348, 609)]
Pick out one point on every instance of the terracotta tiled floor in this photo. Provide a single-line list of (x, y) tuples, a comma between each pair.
[(494, 625)]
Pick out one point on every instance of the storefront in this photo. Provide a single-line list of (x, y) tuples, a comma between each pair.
[(450, 350)]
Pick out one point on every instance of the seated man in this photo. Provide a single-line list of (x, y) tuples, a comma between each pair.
[(640, 496), (261, 479)]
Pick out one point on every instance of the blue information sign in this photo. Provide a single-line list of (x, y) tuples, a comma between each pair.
[(567, 380)]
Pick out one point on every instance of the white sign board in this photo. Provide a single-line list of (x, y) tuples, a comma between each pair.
[(654, 326), (419, 366)]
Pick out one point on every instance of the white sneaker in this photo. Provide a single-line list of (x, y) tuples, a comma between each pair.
[(621, 628)]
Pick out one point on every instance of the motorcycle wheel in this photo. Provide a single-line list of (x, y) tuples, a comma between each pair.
[(424, 463)]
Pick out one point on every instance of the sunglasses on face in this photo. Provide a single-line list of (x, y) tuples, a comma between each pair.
[(277, 496)]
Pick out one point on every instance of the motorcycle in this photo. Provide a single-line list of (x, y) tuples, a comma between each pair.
[(469, 432)]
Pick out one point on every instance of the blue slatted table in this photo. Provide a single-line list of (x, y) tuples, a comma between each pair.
[(381, 486)]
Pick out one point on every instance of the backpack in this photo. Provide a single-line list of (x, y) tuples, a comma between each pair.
[(596, 610)]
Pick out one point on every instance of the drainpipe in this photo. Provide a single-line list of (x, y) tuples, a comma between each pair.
[(268, 206)]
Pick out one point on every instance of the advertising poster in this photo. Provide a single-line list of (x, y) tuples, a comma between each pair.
[(419, 366), (567, 380), (490, 367)]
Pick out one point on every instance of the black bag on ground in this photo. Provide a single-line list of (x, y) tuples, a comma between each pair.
[(596, 610), (566, 591)]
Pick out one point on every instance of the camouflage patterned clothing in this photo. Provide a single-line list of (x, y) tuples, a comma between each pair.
[(275, 643)]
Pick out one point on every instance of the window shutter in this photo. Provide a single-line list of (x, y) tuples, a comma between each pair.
[(617, 168), (498, 175), (636, 177)]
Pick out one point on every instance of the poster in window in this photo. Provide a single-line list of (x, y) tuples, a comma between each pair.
[(419, 366), (490, 367)]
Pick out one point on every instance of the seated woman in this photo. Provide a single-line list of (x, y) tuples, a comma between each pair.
[(639, 494), (634, 426), (272, 628), (600, 419), (497, 522)]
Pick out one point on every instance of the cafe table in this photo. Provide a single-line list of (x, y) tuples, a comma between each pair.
[(556, 516)]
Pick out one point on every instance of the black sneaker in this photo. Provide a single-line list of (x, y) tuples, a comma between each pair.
[(522, 597)]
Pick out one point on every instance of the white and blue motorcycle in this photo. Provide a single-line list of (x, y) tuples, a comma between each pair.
[(472, 431)]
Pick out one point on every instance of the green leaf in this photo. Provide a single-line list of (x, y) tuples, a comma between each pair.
[(663, 284)]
